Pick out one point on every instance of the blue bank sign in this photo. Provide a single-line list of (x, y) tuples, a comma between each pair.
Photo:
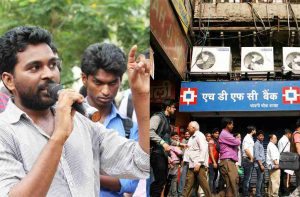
[(240, 96)]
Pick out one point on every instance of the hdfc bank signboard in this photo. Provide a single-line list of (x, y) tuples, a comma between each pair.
[(239, 96)]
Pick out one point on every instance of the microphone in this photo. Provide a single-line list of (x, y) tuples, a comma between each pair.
[(88, 111)]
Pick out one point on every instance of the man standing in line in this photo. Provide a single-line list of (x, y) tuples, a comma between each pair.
[(247, 158), (103, 66), (284, 146), (295, 148), (273, 166), (214, 150), (198, 161), (228, 156), (185, 164), (160, 131), (259, 164)]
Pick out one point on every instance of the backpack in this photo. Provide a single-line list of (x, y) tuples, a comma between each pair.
[(127, 124)]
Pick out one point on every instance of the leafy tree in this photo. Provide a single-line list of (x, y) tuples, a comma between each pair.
[(75, 24)]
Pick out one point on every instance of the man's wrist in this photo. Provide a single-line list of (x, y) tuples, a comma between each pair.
[(162, 142)]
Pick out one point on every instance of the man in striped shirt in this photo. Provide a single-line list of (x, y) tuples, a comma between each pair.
[(46, 151)]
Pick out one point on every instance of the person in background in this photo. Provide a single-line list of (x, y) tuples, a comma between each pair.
[(295, 148), (238, 164), (284, 146), (174, 161), (186, 137), (103, 66), (228, 157), (185, 164), (248, 158), (207, 137), (214, 150), (259, 164), (198, 161), (160, 131), (273, 166)]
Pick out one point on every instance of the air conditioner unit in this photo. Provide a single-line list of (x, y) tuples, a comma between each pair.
[(257, 60), (291, 59), (211, 60)]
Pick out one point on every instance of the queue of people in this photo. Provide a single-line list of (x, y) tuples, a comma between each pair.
[(222, 164)]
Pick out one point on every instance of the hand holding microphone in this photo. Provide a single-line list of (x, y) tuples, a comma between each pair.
[(83, 108)]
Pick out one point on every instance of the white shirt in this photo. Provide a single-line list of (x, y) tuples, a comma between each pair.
[(272, 154), (90, 150), (198, 150), (284, 142), (248, 143), (186, 152)]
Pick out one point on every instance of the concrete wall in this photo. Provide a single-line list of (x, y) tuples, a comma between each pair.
[(241, 12)]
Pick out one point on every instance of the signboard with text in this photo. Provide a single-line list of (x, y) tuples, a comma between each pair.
[(239, 96), (167, 32)]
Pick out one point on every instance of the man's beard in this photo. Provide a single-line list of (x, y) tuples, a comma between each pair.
[(35, 102), (33, 99)]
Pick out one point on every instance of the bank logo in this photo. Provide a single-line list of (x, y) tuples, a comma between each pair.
[(188, 96), (291, 95)]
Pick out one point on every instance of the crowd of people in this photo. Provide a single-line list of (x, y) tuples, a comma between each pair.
[(219, 163)]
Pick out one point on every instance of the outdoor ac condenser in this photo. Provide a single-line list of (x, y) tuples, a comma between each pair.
[(211, 60), (257, 60), (291, 59)]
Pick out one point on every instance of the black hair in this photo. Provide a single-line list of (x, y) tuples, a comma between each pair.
[(298, 123), (225, 121), (260, 132), (83, 91), (16, 40), (215, 130), (104, 56), (167, 103), (173, 133), (250, 128), (287, 131)]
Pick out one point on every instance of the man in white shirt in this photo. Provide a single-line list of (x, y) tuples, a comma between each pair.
[(248, 159), (284, 146), (273, 166), (197, 155)]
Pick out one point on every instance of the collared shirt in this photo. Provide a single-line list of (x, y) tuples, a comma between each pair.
[(228, 145), (198, 150), (114, 121), (3, 101), (284, 143), (259, 152), (91, 149), (248, 143), (272, 154)]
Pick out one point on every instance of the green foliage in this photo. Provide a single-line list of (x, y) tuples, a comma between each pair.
[(75, 24)]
